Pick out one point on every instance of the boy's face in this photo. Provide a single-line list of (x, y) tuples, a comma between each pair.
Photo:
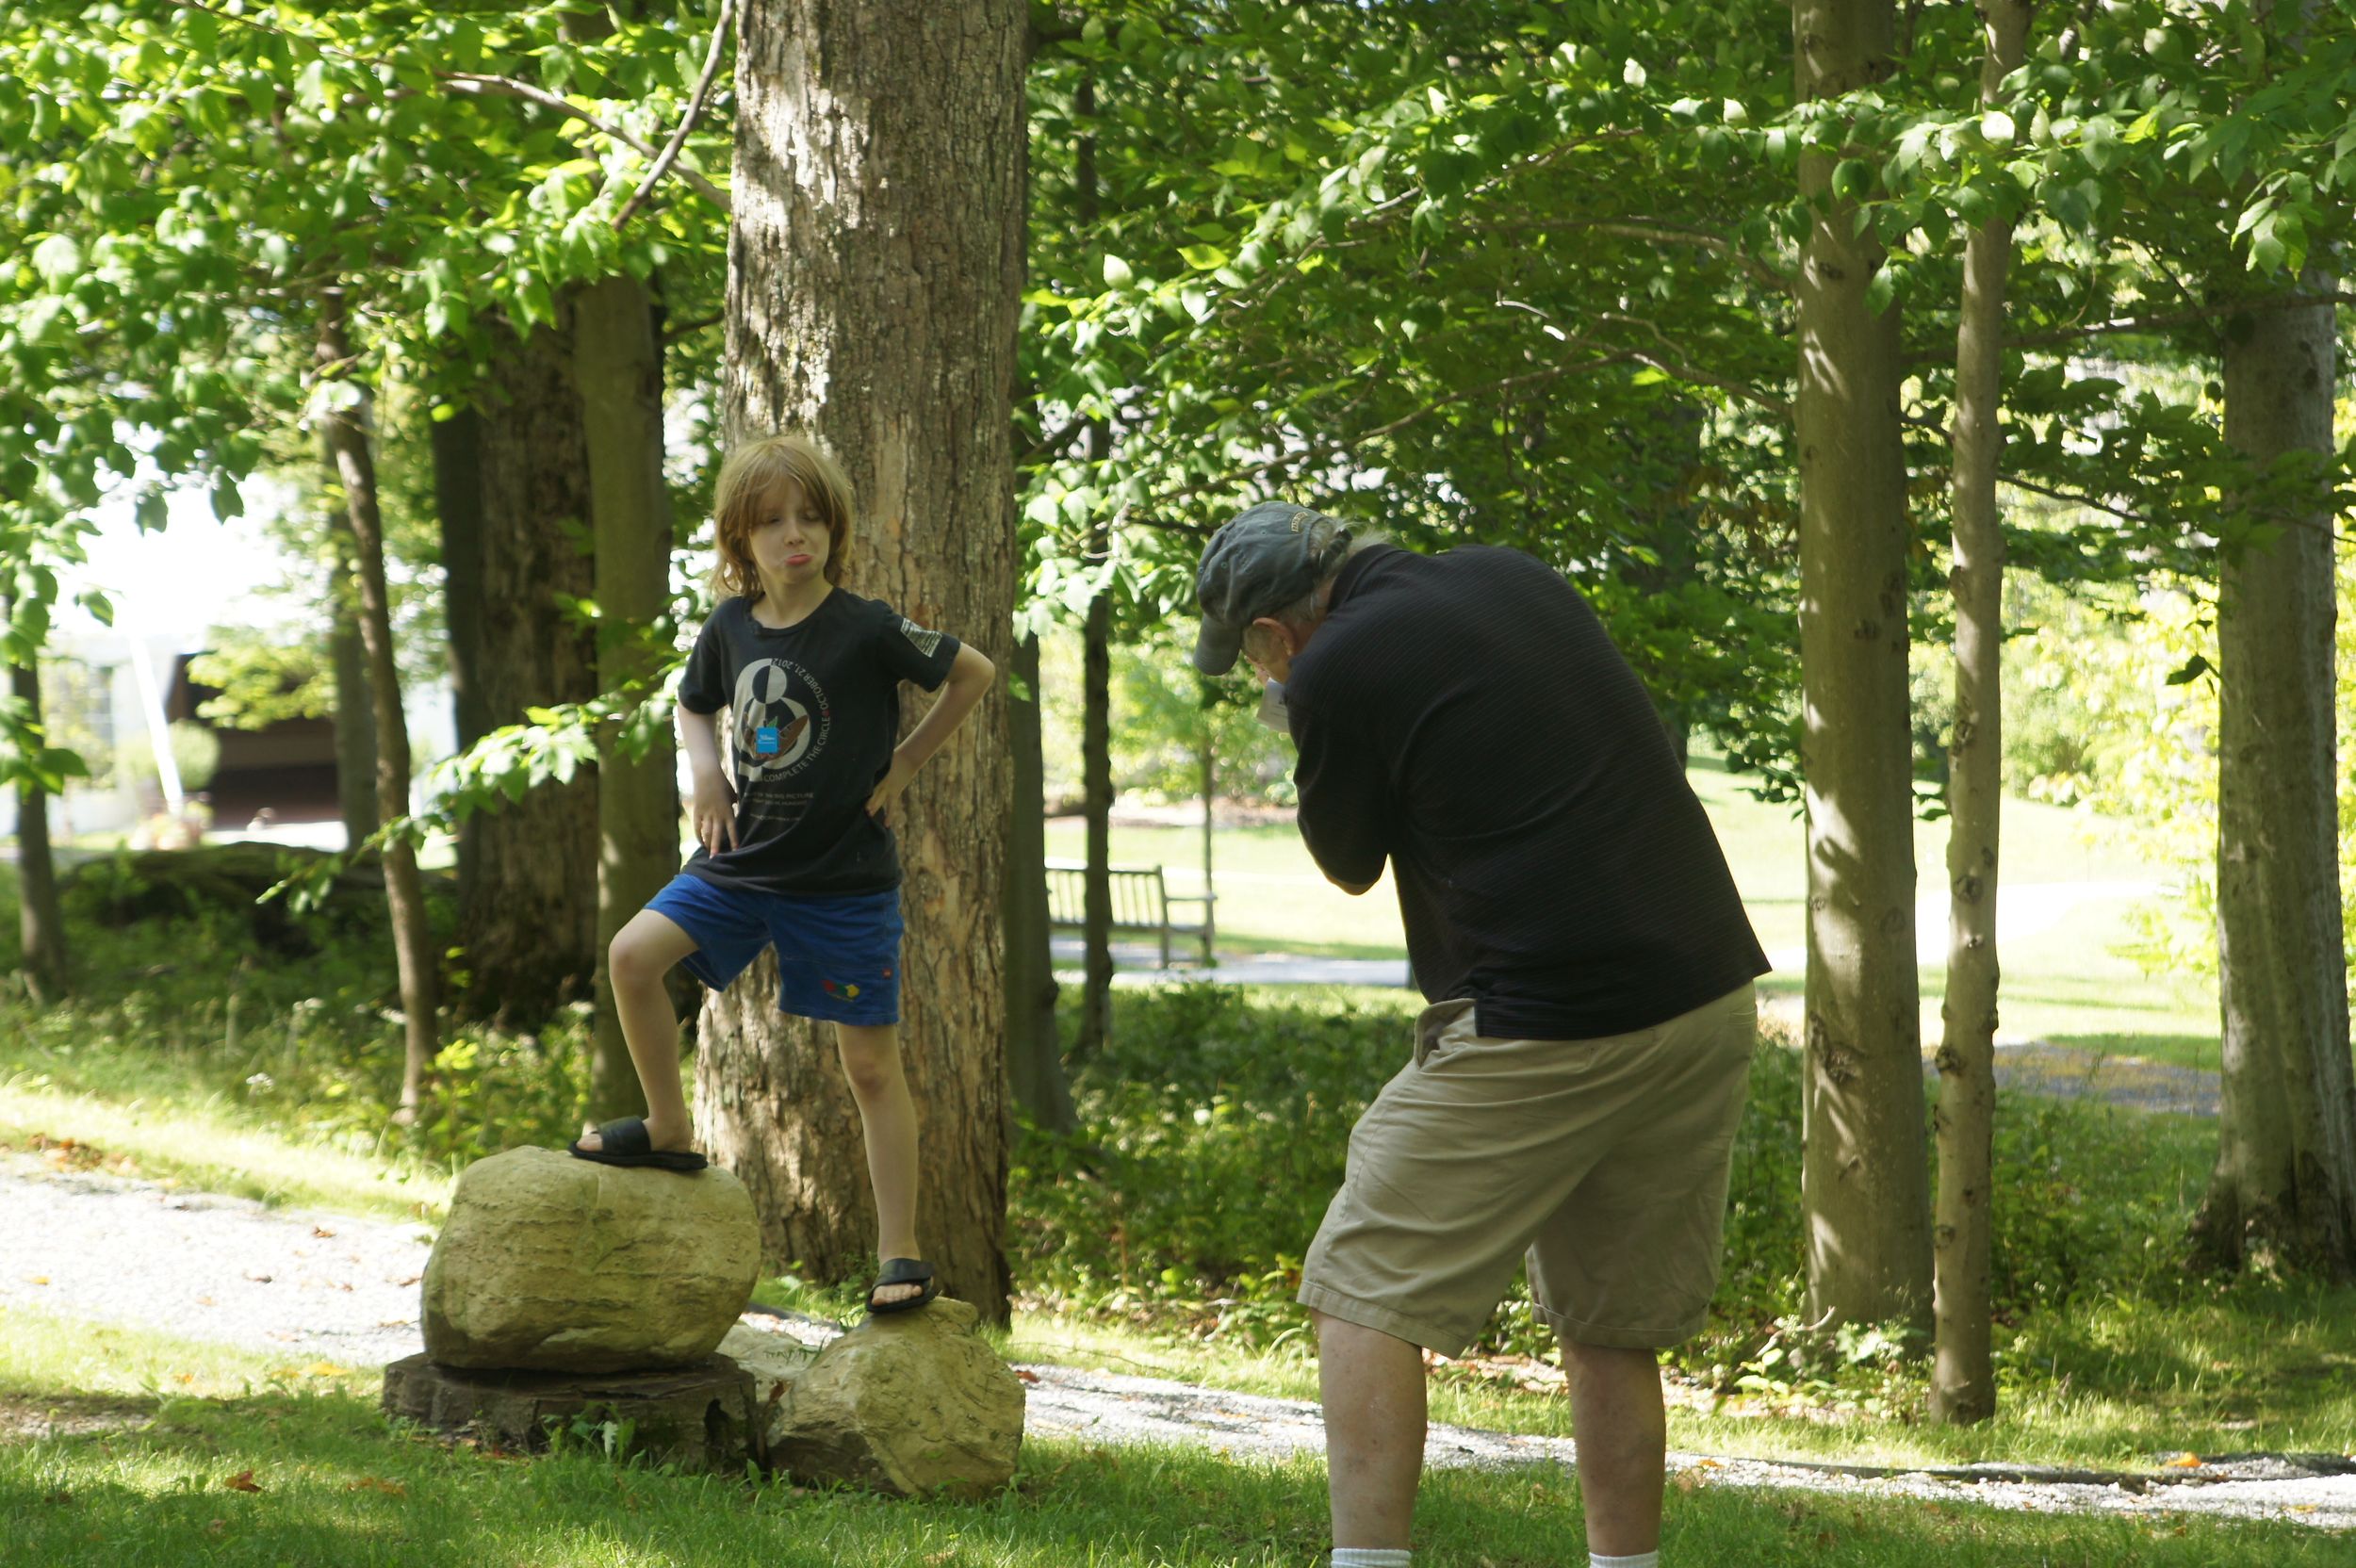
[(789, 537)]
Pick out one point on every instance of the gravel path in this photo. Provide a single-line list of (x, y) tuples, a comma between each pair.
[(89, 1245)]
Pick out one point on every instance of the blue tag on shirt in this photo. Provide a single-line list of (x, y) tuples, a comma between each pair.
[(766, 739)]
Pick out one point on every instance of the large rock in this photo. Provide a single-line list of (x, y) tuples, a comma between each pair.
[(910, 1403), (556, 1263)]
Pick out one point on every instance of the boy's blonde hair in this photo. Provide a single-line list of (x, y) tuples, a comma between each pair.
[(751, 477)]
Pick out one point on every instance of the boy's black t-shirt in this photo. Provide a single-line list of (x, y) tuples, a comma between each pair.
[(815, 712), (1467, 717)]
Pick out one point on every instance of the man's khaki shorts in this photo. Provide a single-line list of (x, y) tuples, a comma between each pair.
[(1606, 1159)]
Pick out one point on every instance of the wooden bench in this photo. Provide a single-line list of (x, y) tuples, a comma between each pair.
[(1141, 902)]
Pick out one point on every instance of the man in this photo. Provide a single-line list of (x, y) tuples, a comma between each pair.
[(1577, 1078)]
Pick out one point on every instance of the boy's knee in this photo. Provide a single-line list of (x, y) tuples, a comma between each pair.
[(871, 1058), (630, 960)]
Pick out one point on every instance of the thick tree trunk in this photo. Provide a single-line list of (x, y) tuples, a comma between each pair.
[(41, 925), (345, 427), (2284, 1187), (458, 503), (1096, 794), (875, 268), (1862, 1176), (530, 929), (618, 366), (1034, 1055), (1963, 1375)]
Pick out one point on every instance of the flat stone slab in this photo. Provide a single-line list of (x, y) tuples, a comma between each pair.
[(697, 1417)]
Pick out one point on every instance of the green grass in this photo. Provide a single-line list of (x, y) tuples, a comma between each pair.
[(165, 1429), (2072, 981)]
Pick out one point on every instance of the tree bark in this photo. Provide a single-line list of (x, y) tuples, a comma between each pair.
[(355, 713), (1096, 762), (874, 268), (41, 923), (1034, 1055), (458, 504), (618, 366), (344, 425), (530, 929), (2283, 1191), (1863, 1178), (1096, 795), (1963, 1375)]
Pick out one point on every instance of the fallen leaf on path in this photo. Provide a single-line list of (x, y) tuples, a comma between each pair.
[(2185, 1462), (35, 1279), (1026, 1376), (242, 1482), (321, 1231)]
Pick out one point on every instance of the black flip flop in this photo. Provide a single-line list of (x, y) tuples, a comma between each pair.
[(902, 1271), (626, 1143)]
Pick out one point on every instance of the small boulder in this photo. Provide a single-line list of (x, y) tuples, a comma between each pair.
[(910, 1403), (557, 1263)]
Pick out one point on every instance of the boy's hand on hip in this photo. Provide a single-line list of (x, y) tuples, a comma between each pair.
[(715, 815), (888, 790)]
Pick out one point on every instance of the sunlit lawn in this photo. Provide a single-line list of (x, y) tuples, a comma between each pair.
[(128, 1448), (2068, 980)]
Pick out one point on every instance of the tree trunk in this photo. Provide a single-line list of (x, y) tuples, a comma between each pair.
[(2285, 1189), (1096, 765), (39, 923), (355, 713), (1862, 1176), (618, 365), (1034, 1055), (1096, 794), (876, 266), (530, 930), (1963, 1375), (344, 425), (458, 502)]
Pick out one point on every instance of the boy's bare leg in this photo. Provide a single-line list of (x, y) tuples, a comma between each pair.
[(870, 1059), (641, 954), (1618, 1417), (1372, 1386)]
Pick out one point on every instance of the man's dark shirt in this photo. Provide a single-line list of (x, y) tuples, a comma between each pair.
[(814, 710), (1466, 716)]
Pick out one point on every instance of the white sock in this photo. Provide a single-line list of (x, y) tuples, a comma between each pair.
[(1370, 1557), (1641, 1560)]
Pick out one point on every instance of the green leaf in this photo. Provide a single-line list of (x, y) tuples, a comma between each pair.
[(58, 258), (1117, 273), (1882, 290)]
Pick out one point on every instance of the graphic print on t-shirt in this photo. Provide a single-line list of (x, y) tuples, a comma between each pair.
[(777, 733)]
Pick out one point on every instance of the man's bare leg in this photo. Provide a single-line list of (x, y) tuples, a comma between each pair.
[(1621, 1423), (1372, 1384), (641, 954)]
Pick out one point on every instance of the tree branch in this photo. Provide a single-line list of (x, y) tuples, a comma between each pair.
[(2171, 318), (1652, 228), (687, 121)]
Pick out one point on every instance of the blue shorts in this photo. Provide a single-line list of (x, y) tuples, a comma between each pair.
[(837, 957)]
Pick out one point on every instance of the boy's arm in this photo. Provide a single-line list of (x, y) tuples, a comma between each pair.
[(970, 674), (715, 821)]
